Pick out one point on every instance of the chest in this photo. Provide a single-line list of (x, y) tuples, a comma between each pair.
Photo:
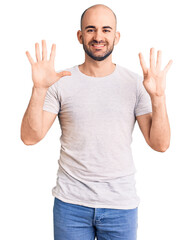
[(103, 102)]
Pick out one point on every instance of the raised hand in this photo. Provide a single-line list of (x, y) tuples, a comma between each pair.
[(43, 72), (154, 78)]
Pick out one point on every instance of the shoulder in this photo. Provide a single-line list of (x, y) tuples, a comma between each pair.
[(126, 73), (70, 69), (58, 84), (65, 78)]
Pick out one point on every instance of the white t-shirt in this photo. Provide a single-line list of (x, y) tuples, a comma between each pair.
[(97, 117)]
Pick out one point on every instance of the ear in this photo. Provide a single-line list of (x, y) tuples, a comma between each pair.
[(79, 36), (117, 37)]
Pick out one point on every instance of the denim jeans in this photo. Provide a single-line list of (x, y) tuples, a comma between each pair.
[(77, 222)]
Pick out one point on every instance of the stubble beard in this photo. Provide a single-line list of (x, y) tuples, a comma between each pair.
[(97, 58)]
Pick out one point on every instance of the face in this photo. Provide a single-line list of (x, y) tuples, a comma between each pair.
[(98, 49), (98, 34)]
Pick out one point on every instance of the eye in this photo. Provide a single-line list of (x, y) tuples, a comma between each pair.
[(90, 30), (105, 30)]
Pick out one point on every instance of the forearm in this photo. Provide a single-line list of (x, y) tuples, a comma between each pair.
[(31, 127), (160, 128)]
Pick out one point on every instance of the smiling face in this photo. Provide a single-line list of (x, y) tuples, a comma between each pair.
[(98, 32)]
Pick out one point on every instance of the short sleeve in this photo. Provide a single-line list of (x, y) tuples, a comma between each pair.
[(143, 103), (51, 103)]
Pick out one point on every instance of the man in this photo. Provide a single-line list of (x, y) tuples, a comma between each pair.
[(97, 103)]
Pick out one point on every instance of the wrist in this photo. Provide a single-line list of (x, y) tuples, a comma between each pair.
[(158, 98), (157, 101), (39, 90)]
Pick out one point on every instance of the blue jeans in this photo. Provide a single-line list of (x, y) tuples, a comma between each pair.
[(77, 222)]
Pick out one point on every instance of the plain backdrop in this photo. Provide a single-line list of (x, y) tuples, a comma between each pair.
[(28, 173)]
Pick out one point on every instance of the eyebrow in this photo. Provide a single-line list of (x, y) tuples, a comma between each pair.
[(90, 26)]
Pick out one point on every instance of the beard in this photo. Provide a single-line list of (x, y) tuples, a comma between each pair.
[(98, 57)]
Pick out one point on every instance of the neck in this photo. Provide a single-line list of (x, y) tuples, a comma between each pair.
[(97, 68)]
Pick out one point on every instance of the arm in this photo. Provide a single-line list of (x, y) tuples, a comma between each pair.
[(155, 126), (36, 122)]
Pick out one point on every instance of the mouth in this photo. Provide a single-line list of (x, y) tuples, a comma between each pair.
[(98, 46)]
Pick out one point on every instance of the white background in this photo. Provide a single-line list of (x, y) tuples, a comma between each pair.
[(28, 173)]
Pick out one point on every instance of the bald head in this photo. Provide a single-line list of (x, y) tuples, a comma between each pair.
[(99, 8)]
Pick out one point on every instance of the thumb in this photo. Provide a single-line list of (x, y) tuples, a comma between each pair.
[(64, 73)]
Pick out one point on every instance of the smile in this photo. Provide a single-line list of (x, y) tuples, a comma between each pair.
[(98, 46)]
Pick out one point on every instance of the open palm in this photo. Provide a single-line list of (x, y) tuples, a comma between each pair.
[(43, 72), (154, 78)]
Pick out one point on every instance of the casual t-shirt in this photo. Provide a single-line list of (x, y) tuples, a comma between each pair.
[(97, 117)]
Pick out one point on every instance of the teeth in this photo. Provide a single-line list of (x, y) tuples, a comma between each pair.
[(98, 45)]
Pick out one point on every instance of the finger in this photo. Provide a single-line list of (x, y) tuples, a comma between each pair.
[(44, 50), (64, 73), (152, 58), (53, 53), (167, 67), (158, 63), (142, 62), (29, 57), (37, 52)]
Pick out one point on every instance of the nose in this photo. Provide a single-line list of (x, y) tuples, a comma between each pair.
[(98, 36)]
